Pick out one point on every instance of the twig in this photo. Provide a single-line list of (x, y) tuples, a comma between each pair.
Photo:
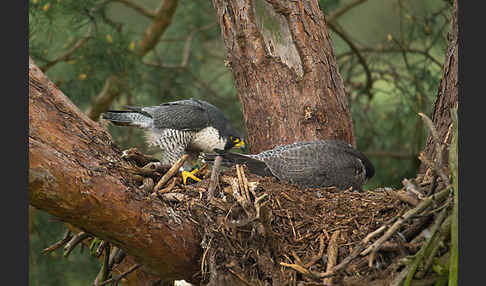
[(100, 248), (239, 277), (175, 197), (392, 50), (116, 256), (214, 177), (169, 187), (172, 171), (412, 188), (103, 100), (332, 254), (74, 241), (138, 157), (64, 240), (438, 148), (161, 21), (361, 59), (420, 254), (144, 11), (240, 198), (203, 259), (115, 281), (332, 17), (186, 52), (356, 252), (404, 197), (435, 244), (212, 268), (244, 187), (409, 214), (147, 185), (317, 257), (68, 53), (302, 270), (105, 268)]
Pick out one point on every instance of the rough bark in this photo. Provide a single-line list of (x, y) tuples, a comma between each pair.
[(76, 174), (285, 72), (448, 95)]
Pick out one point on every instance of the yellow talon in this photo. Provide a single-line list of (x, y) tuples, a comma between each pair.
[(186, 174)]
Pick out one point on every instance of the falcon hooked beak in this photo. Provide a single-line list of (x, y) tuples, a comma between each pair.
[(238, 143)]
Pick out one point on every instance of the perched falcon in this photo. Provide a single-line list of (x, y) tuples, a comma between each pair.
[(186, 126), (320, 163)]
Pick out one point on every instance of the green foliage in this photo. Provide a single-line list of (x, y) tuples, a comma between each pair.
[(405, 71)]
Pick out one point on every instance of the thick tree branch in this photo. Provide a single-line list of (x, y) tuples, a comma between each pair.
[(77, 174)]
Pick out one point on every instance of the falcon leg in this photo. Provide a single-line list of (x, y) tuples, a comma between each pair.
[(186, 175)]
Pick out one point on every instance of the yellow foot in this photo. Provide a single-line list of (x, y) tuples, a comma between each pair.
[(186, 174)]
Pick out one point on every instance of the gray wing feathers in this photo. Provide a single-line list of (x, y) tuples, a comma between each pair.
[(316, 164), (179, 116)]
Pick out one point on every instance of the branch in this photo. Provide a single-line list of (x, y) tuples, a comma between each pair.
[(393, 50), (139, 8), (332, 17), (66, 56), (187, 49), (77, 174), (104, 99), (161, 21), (355, 49)]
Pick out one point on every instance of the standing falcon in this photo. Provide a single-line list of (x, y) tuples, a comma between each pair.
[(320, 163), (186, 126)]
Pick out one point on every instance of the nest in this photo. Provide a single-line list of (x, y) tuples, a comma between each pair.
[(259, 231)]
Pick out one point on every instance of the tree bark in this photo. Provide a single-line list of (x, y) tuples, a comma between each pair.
[(76, 173), (448, 95), (285, 72)]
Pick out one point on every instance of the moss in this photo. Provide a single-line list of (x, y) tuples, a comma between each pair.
[(266, 21)]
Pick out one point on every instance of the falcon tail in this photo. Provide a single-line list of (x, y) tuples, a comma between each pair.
[(132, 117), (254, 166), (369, 168)]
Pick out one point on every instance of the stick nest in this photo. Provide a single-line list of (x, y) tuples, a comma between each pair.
[(259, 231)]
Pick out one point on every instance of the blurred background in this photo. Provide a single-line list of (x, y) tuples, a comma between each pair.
[(390, 54)]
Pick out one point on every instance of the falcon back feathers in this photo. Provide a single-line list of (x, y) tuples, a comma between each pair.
[(319, 163)]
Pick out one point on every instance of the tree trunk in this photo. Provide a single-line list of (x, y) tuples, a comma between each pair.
[(285, 72), (76, 174), (448, 96)]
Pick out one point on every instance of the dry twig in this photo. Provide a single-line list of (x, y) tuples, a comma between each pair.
[(172, 171), (64, 240)]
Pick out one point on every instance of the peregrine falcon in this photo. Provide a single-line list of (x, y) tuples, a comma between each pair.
[(185, 126), (313, 164)]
